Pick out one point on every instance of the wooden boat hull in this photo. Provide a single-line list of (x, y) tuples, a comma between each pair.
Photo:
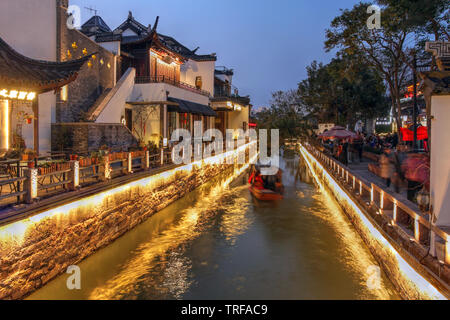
[(265, 195)]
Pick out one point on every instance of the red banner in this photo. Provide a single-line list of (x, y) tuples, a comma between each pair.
[(408, 135)]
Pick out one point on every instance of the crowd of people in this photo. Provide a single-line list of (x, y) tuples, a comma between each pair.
[(389, 159)]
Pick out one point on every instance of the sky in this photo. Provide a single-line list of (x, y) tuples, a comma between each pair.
[(268, 43)]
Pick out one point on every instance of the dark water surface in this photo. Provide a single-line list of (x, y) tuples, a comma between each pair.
[(219, 243)]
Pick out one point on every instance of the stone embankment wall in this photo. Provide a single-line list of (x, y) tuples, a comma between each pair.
[(56, 241), (410, 277)]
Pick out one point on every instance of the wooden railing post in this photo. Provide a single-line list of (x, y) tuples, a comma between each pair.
[(146, 160), (372, 194), (74, 175), (105, 174), (129, 163), (31, 185)]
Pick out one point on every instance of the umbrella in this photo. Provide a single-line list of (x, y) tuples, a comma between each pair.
[(339, 133)]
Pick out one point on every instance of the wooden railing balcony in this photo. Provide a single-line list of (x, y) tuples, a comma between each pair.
[(171, 81)]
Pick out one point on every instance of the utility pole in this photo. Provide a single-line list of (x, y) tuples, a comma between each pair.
[(415, 103)]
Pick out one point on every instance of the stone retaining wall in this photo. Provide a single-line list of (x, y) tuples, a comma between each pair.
[(398, 268), (59, 240), (84, 138)]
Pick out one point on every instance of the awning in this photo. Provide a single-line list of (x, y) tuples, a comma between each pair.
[(191, 107)]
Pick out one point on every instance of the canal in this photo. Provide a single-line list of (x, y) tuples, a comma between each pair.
[(219, 243)]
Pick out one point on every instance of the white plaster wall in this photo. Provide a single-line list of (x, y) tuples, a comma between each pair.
[(440, 159), (152, 92), (236, 119), (205, 69), (129, 32), (29, 26), (115, 108), (112, 46)]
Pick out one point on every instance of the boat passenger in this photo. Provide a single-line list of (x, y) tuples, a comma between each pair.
[(256, 180)]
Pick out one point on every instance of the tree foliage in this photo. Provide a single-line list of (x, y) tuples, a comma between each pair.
[(343, 91)]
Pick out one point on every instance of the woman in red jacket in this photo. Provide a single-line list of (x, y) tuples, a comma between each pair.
[(256, 180)]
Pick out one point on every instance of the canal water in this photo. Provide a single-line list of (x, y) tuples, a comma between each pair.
[(220, 243)]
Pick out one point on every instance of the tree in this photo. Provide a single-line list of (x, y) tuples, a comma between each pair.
[(343, 91), (141, 115), (286, 114), (383, 49), (424, 17)]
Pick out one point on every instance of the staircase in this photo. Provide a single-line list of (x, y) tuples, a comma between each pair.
[(110, 104)]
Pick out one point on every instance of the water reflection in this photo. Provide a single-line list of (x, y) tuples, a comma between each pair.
[(219, 243)]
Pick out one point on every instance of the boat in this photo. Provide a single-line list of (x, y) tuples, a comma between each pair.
[(265, 194)]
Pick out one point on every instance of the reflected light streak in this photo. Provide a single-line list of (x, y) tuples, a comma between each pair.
[(412, 275), (125, 281)]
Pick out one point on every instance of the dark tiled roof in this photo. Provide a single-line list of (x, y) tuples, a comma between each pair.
[(185, 106), (234, 98), (182, 50), (95, 25), (108, 36), (22, 73), (437, 81), (143, 33), (132, 24), (224, 70)]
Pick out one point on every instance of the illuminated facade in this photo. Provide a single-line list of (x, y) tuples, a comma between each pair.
[(21, 80), (178, 85), (233, 110)]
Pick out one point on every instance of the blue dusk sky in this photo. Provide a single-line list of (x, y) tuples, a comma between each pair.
[(268, 43)]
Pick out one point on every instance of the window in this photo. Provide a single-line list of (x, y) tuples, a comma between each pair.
[(172, 122), (184, 121)]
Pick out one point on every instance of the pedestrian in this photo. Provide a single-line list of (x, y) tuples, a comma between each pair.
[(345, 152), (386, 167)]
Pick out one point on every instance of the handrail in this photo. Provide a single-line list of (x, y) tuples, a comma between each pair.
[(171, 81), (386, 200), (76, 173)]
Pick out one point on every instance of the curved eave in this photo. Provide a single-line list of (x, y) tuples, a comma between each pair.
[(23, 73)]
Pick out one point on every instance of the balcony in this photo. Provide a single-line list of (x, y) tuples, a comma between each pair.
[(223, 96), (171, 81)]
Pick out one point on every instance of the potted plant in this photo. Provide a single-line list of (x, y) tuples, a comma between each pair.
[(28, 155)]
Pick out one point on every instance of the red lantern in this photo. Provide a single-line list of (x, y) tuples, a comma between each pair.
[(29, 120)]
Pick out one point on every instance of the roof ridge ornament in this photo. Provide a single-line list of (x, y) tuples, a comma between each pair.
[(155, 26), (441, 51), (130, 15)]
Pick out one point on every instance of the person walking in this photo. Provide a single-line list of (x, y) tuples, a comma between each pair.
[(345, 152), (386, 168)]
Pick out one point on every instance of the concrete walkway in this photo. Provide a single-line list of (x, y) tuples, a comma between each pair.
[(362, 169)]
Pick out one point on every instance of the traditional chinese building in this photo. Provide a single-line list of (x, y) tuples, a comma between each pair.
[(176, 85), (22, 80), (233, 111), (135, 85), (436, 88), (162, 84)]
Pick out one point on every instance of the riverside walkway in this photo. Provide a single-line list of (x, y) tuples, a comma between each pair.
[(389, 224)]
